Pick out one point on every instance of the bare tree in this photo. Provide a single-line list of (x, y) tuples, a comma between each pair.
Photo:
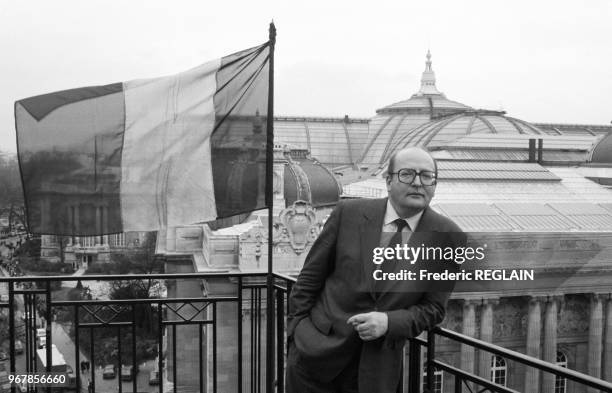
[(11, 193)]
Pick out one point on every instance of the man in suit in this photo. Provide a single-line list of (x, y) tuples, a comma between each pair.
[(346, 330)]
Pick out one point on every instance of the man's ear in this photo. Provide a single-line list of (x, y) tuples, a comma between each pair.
[(433, 189)]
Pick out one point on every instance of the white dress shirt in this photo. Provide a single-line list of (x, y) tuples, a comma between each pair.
[(390, 227)]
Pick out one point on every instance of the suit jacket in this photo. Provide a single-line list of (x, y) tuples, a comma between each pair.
[(336, 283)]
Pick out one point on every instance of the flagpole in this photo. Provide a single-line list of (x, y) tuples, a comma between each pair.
[(269, 202)]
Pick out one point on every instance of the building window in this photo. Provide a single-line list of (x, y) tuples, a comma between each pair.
[(87, 241), (560, 382), (438, 384), (498, 370), (117, 240)]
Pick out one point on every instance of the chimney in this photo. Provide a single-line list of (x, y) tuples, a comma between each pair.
[(532, 150), (540, 150)]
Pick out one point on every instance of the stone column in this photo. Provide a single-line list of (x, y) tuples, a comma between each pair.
[(534, 330), (469, 329), (550, 341), (486, 334), (595, 338), (608, 342)]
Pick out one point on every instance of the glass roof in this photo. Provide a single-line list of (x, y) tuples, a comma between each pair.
[(602, 152)]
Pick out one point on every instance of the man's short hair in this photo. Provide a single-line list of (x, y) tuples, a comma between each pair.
[(391, 166)]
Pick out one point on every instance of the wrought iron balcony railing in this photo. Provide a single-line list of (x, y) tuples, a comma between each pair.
[(208, 334)]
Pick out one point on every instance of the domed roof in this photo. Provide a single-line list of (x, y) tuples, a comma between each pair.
[(428, 99), (429, 103), (602, 151), (307, 179), (445, 129), (439, 131), (397, 120)]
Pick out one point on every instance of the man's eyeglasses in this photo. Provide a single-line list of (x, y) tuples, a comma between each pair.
[(405, 175)]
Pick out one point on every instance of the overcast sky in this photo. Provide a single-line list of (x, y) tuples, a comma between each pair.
[(540, 61)]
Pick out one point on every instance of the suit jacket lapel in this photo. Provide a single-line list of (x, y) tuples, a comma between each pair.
[(427, 222), (370, 232)]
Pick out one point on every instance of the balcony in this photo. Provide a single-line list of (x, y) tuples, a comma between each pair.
[(215, 332)]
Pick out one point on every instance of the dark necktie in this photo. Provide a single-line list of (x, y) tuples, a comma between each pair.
[(389, 266), (397, 237)]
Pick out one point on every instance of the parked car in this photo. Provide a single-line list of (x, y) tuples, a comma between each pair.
[(109, 371), (3, 355), (154, 377), (127, 373)]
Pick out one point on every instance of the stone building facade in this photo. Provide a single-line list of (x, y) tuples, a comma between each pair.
[(82, 251)]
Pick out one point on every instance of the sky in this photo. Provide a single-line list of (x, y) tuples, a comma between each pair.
[(540, 61)]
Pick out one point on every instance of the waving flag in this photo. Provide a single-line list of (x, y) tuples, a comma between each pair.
[(147, 154)]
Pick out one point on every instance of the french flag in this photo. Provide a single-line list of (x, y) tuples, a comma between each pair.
[(147, 154)]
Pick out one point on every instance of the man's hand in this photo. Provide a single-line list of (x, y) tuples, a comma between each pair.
[(370, 325)]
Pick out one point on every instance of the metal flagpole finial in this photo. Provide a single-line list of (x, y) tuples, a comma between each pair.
[(272, 31)]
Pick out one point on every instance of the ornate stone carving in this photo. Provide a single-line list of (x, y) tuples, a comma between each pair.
[(579, 244), (521, 244), (293, 232), (280, 234), (299, 225), (252, 246), (510, 318), (574, 316)]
